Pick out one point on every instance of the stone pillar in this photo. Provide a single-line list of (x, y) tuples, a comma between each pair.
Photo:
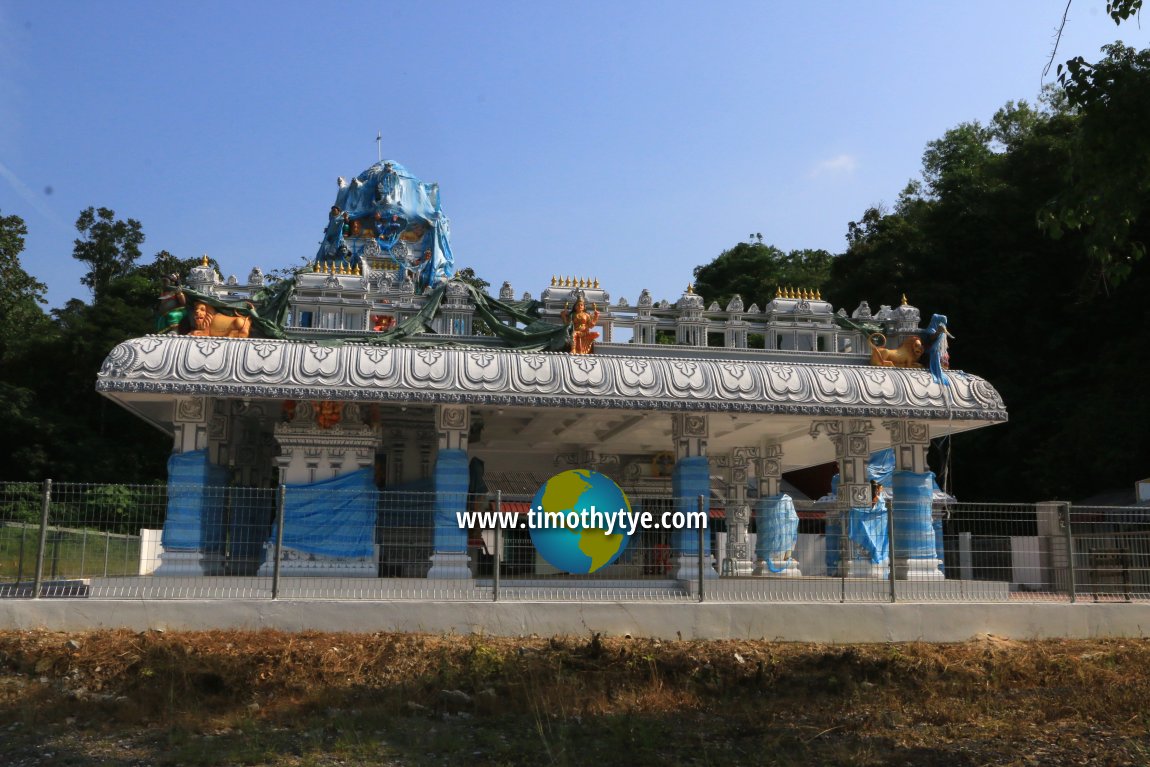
[(737, 557), (915, 554), (449, 558), (197, 495), (771, 506), (326, 458), (851, 438), (690, 479)]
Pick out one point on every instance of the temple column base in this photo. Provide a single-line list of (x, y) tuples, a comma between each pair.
[(733, 566), (782, 568), (181, 563), (927, 569), (688, 569), (864, 568), (453, 565), (296, 564)]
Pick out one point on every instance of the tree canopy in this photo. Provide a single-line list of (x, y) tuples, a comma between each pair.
[(754, 271), (108, 246)]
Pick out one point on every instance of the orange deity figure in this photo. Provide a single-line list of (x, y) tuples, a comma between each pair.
[(582, 337), (328, 413)]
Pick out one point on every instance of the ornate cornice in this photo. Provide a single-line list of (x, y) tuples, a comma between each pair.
[(261, 368)]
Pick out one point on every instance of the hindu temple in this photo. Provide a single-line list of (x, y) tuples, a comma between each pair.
[(376, 368)]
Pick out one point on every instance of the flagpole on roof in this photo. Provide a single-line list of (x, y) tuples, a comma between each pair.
[(379, 146)]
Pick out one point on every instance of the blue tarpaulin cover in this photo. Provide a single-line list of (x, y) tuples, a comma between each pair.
[(869, 531), (334, 517), (690, 478), (777, 523), (196, 500)]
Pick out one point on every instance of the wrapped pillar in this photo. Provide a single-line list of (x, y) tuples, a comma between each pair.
[(192, 536), (915, 548), (776, 520), (691, 478), (851, 439), (452, 476)]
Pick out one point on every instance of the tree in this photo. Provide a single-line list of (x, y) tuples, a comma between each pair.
[(20, 293), (1107, 180), (108, 246), (754, 271)]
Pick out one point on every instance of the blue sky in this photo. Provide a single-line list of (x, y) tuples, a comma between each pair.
[(628, 141)]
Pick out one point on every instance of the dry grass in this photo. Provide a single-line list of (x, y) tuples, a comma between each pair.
[(274, 698)]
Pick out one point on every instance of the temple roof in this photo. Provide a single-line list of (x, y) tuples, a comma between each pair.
[(277, 369)]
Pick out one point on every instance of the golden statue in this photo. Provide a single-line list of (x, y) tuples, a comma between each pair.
[(582, 337), (206, 321), (906, 355)]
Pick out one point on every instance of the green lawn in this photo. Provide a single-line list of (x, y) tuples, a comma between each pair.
[(67, 553)]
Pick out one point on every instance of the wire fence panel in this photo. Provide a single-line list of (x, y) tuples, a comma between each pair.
[(352, 541)]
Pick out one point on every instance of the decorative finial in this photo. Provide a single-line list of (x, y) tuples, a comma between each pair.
[(904, 299), (596, 283), (553, 280), (818, 294), (690, 288), (204, 259), (778, 292)]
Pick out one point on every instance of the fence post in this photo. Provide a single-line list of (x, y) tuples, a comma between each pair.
[(498, 545), (1064, 522), (890, 548), (83, 551), (20, 566), (44, 509), (107, 550), (702, 549), (281, 497), (844, 552)]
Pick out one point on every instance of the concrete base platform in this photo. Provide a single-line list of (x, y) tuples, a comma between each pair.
[(788, 622)]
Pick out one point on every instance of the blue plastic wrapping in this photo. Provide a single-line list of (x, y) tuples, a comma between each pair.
[(451, 480), (334, 517), (392, 202), (690, 479), (869, 530), (777, 523), (914, 535), (196, 502)]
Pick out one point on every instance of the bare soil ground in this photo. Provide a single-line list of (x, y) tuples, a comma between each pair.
[(273, 698)]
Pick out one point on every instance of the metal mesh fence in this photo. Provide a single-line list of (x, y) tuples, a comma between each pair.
[(170, 542)]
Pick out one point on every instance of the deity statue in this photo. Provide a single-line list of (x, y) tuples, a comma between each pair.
[(582, 337), (172, 306), (328, 413), (388, 191)]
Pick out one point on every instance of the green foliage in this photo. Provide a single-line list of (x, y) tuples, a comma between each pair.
[(1028, 309), (1106, 181), (20, 293), (108, 246), (754, 271)]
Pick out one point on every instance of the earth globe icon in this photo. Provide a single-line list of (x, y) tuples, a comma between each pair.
[(571, 530)]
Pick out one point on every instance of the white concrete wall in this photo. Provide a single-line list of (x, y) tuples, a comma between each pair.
[(786, 622)]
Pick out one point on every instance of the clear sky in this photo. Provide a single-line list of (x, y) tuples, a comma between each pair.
[(627, 140)]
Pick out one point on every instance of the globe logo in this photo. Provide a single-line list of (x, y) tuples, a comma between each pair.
[(578, 524)]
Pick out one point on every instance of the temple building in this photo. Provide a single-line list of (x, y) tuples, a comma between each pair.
[(375, 368)]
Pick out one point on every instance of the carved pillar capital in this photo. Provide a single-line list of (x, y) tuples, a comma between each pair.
[(453, 422), (689, 431), (910, 440)]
